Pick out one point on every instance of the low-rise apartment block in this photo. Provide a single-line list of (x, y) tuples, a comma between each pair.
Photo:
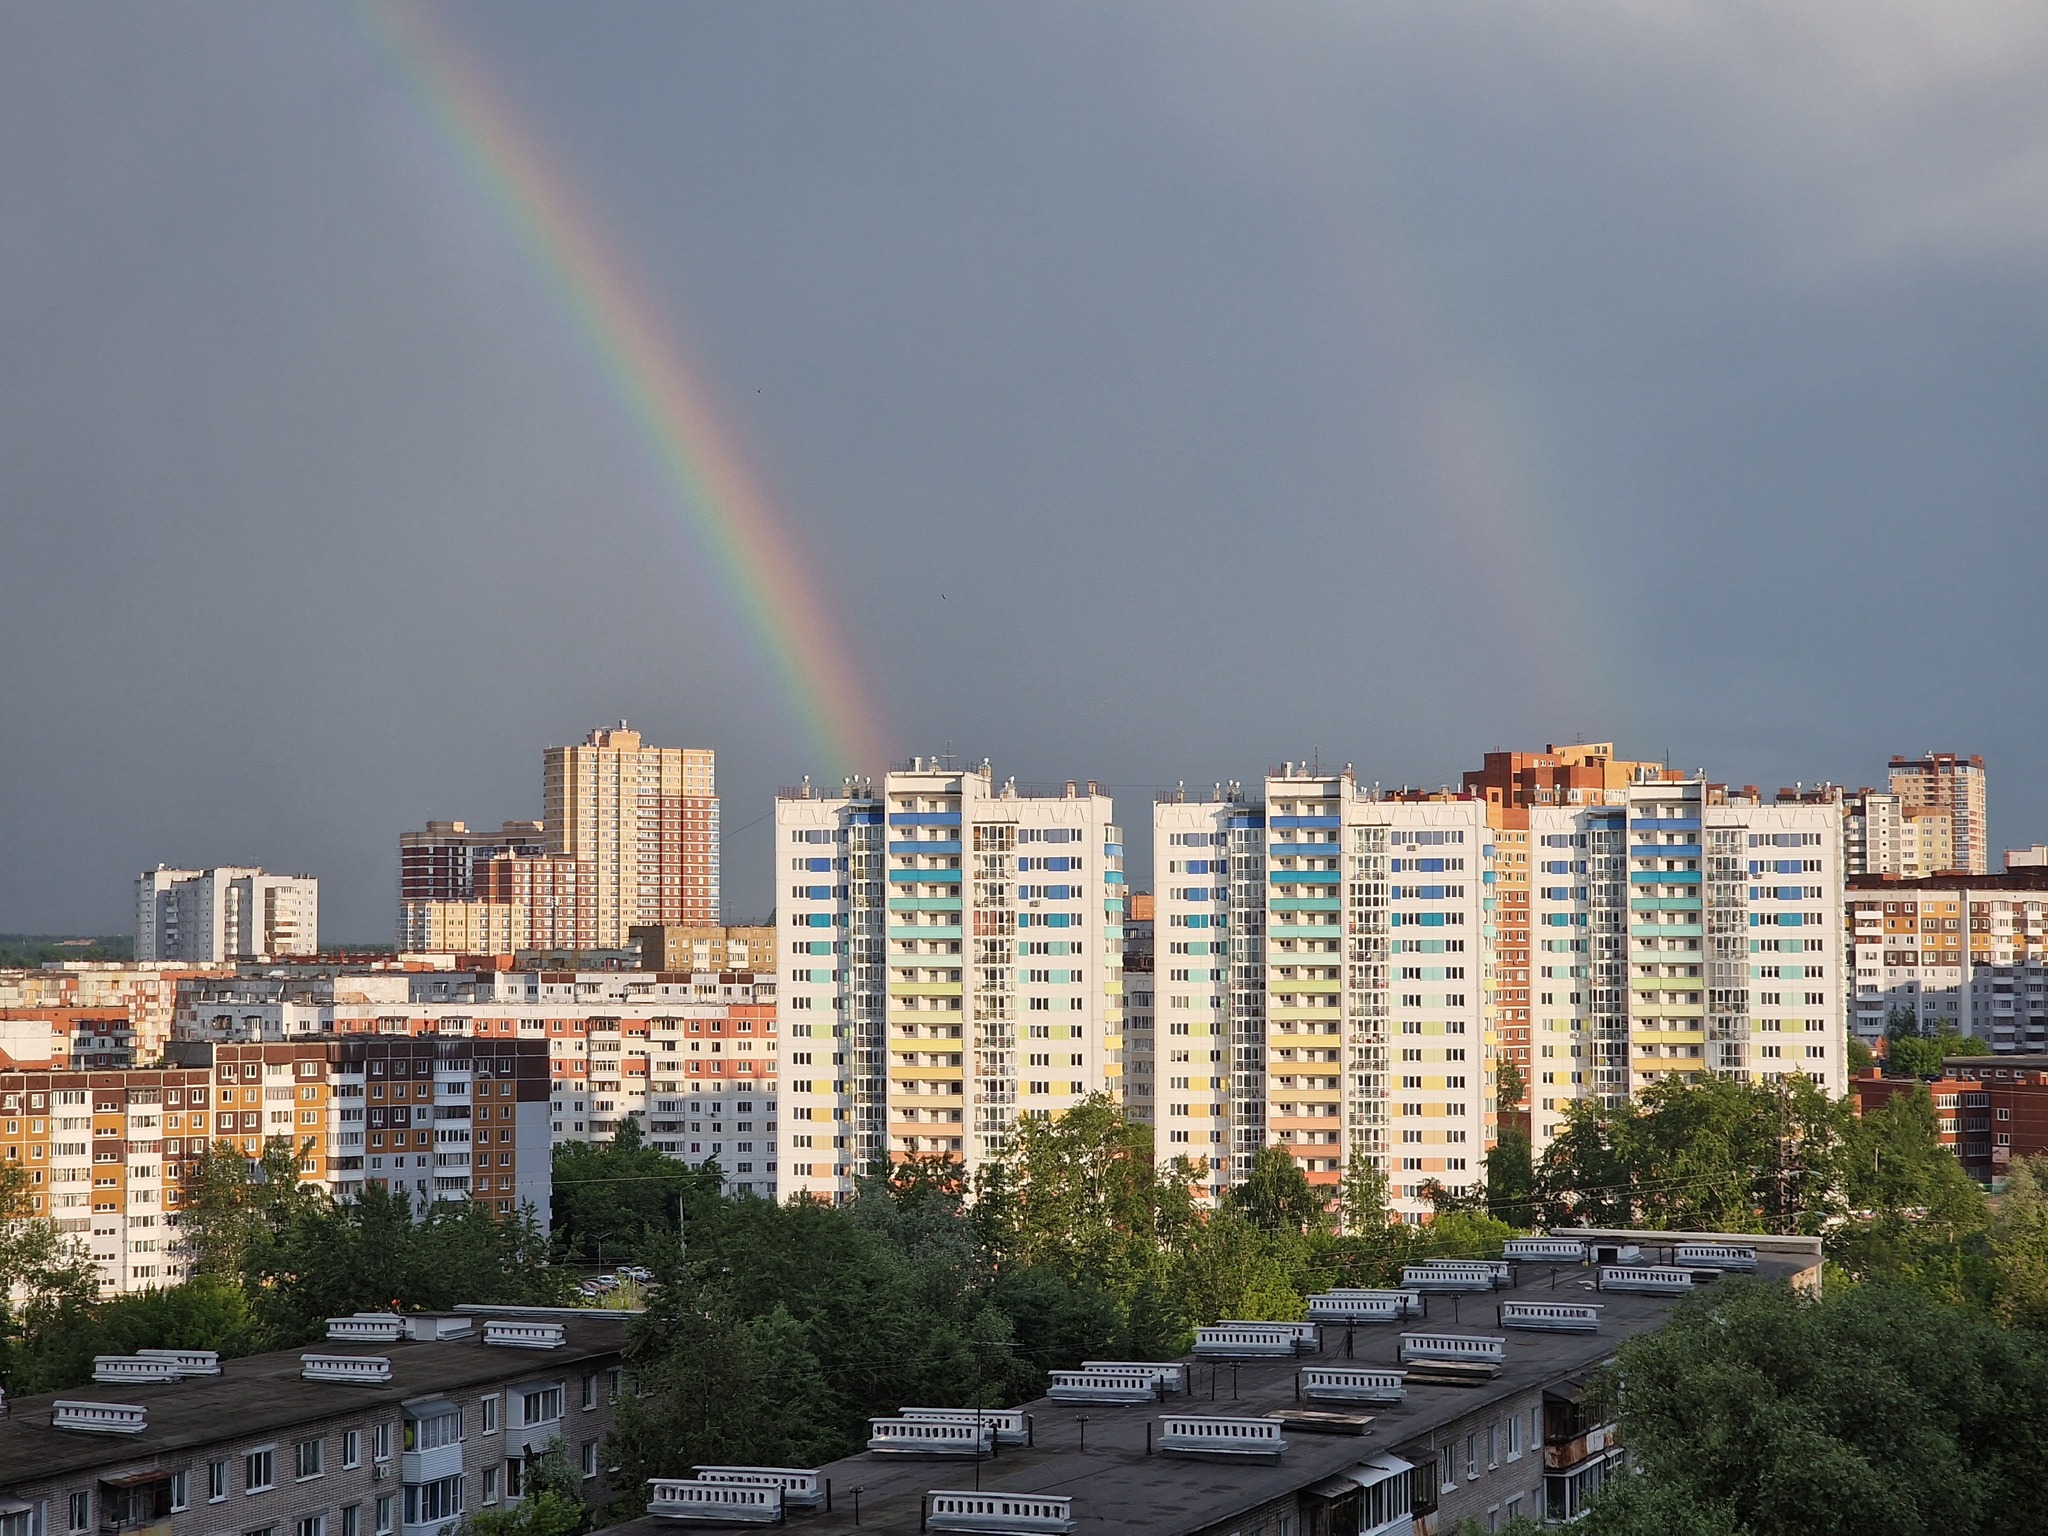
[(394, 1426)]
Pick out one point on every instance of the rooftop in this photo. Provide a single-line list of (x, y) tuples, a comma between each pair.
[(1116, 1485), (265, 1394)]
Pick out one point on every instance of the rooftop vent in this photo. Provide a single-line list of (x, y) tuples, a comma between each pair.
[(1447, 1275), (1545, 1250), (190, 1362), (348, 1370), (367, 1328), (1103, 1386), (1551, 1316), (802, 1488), (1001, 1514), (1646, 1279), (99, 1418), (929, 1437), (1243, 1341), (1236, 1439), (1173, 1376), (520, 1333), (1349, 1384), (1012, 1425), (132, 1368), (714, 1503), (1358, 1307), (1473, 1347)]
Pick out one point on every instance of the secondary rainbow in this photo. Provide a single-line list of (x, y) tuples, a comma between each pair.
[(696, 457)]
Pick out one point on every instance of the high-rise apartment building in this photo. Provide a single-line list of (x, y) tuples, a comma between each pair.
[(446, 861), (1950, 953), (1321, 980), (630, 839), (1686, 931), (951, 963), (206, 916), (645, 820), (1953, 784)]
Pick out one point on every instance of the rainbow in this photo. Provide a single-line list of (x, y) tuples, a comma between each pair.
[(695, 455)]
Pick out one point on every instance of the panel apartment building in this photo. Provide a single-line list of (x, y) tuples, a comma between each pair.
[(1337, 970), (629, 837), (109, 1154), (146, 992), (690, 1056), (1320, 982), (212, 916), (1953, 953), (951, 963)]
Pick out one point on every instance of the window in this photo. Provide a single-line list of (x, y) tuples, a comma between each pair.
[(312, 1525), (490, 1485), (590, 1391), (1514, 1437), (259, 1470), (216, 1481), (540, 1405), (380, 1442), (351, 1447), (352, 1520), (384, 1512), (430, 1502), (180, 1488), (81, 1510), (1471, 1456), (590, 1458), (432, 1431), (490, 1406), (309, 1458)]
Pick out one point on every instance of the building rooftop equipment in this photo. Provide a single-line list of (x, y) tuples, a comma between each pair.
[(1106, 1456)]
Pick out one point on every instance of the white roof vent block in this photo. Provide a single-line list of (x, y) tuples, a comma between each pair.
[(99, 1418), (521, 1333), (367, 1328), (347, 1370)]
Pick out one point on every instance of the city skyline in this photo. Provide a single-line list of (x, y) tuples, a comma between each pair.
[(1131, 391)]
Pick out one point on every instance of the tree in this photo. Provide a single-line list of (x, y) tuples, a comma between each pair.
[(551, 1502), (615, 1199), (1510, 1086), (1362, 1194), (1874, 1410), (1277, 1196), (1511, 1181)]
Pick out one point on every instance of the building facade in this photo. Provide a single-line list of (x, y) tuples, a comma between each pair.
[(208, 916), (1945, 953), (644, 820), (1684, 931), (952, 955), (706, 947), (1321, 982), (690, 1056), (1953, 785)]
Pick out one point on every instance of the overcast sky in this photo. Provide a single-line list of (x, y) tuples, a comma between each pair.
[(1384, 381)]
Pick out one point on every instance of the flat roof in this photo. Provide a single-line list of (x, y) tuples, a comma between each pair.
[(1115, 1485), (261, 1395)]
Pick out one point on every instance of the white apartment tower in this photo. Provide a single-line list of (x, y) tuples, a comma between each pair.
[(1321, 982), (951, 963), (207, 916), (1689, 931)]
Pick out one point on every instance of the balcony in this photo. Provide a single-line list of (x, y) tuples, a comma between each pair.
[(431, 1466)]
